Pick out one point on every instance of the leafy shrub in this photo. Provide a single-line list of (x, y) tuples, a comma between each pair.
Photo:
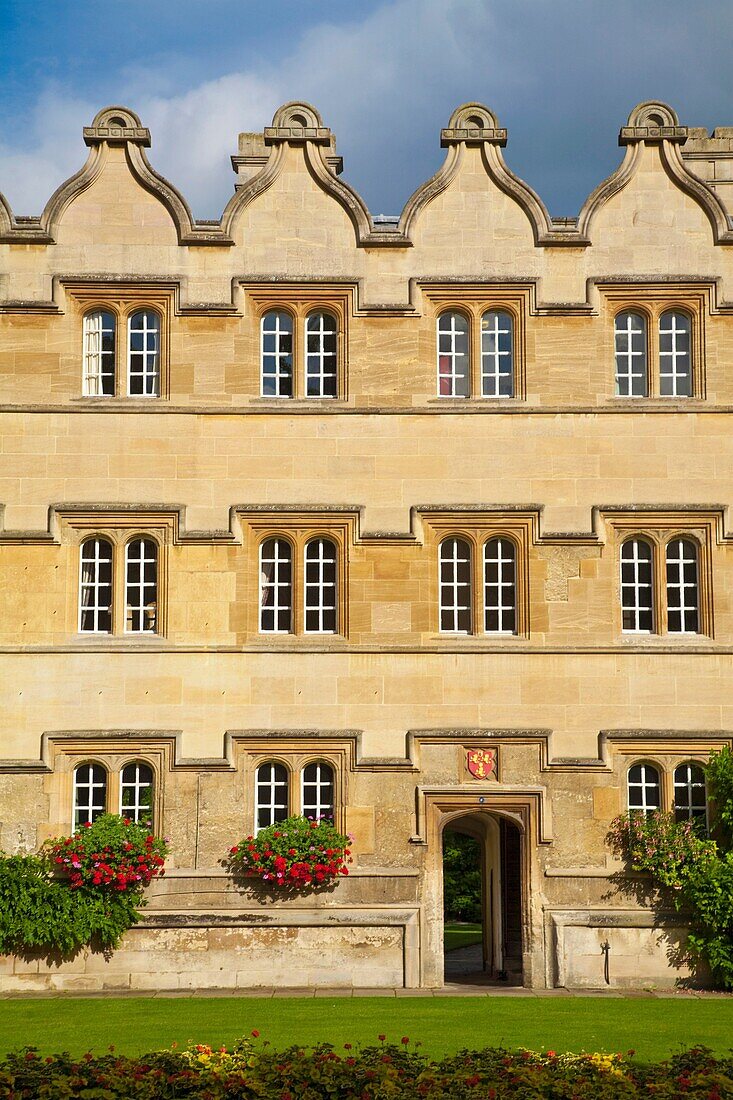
[(297, 853), (372, 1073), (696, 872), (94, 903), (719, 775)]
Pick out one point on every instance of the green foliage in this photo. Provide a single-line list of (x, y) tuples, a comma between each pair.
[(461, 878), (695, 871), (296, 854), (658, 844), (250, 1071), (40, 913), (719, 775), (43, 913)]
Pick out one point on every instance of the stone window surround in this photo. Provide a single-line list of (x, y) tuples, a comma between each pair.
[(299, 302), (477, 531), (294, 764), (472, 301), (122, 301), (298, 530), (118, 530), (650, 302), (113, 758), (665, 767), (659, 531)]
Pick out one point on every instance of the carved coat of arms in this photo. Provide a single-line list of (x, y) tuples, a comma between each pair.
[(481, 763)]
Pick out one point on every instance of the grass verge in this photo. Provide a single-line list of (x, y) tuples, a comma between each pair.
[(444, 1025), (461, 935)]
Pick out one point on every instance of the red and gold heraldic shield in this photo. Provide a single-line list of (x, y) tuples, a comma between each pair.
[(481, 763)]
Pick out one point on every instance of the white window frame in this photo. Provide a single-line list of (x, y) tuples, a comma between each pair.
[(321, 588), (676, 364), (452, 591), (273, 788), (624, 358), (99, 364), (137, 786), (493, 360), (95, 585), (320, 807), (281, 375), (151, 333), (91, 807), (677, 591), (448, 330), (506, 564), (317, 324), (644, 786), (689, 785), (637, 586), (282, 590), (136, 606)]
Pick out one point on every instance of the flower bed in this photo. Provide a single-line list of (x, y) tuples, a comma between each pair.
[(296, 854), (251, 1070)]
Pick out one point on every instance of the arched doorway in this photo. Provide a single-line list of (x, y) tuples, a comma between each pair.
[(482, 899)]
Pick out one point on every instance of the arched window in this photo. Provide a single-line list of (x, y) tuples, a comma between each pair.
[(317, 790), (95, 587), (675, 359), (500, 587), (271, 795), (90, 793), (276, 586), (497, 355), (141, 586), (454, 365), (136, 792), (637, 599), (644, 789), (690, 794), (631, 368), (321, 373), (99, 354), (320, 587), (143, 354), (683, 616), (455, 586), (277, 354)]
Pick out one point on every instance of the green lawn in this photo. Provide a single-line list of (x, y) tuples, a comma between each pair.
[(654, 1028), (461, 935)]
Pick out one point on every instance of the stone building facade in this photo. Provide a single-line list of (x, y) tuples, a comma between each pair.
[(421, 521)]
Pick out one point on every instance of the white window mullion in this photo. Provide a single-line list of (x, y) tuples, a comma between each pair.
[(675, 376), (319, 589), (497, 367), (644, 791), (631, 369), (276, 589), (271, 795), (143, 354), (453, 357), (317, 785), (454, 584), (95, 587), (141, 586)]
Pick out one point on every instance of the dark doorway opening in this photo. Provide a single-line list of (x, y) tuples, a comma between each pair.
[(482, 900)]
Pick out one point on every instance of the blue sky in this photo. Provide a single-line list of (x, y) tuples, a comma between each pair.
[(562, 75)]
